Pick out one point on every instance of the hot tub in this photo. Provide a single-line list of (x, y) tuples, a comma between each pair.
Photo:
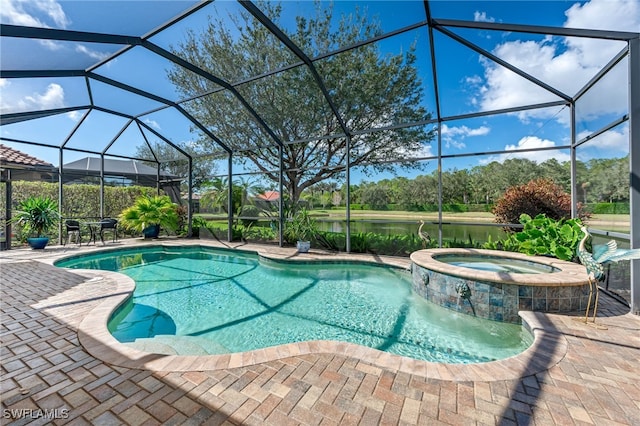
[(497, 284)]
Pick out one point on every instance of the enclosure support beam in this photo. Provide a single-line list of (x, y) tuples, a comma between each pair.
[(230, 198), (158, 177), (440, 184), (60, 193), (8, 195), (348, 194), (189, 199), (281, 196), (101, 185), (572, 153), (634, 167)]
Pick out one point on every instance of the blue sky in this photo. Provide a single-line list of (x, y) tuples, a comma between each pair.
[(467, 82)]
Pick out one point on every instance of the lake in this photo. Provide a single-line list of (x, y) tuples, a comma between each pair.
[(450, 231)]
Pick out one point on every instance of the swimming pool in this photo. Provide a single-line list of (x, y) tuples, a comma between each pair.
[(223, 301)]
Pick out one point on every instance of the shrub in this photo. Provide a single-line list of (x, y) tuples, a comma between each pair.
[(248, 212), (543, 236), (301, 227), (539, 196)]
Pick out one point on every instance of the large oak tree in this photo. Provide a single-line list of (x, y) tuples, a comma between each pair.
[(370, 89)]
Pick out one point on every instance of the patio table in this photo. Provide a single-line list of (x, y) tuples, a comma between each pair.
[(94, 229)]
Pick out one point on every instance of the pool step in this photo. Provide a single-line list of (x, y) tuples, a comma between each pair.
[(178, 345), (151, 346)]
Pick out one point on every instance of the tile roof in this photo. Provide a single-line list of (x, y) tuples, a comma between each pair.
[(269, 195), (10, 156)]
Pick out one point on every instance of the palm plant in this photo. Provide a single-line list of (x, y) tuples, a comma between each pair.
[(150, 211)]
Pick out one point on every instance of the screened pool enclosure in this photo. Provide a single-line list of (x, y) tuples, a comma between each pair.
[(373, 115)]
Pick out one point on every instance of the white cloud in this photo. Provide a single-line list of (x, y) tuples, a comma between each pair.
[(152, 123), (4, 82), (564, 63), (34, 13), (91, 53), (530, 142), (482, 17), (454, 136), (74, 115), (52, 97), (615, 139)]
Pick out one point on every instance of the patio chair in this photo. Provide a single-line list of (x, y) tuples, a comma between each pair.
[(73, 228), (109, 225)]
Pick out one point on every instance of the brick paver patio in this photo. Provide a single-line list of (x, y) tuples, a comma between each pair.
[(49, 377)]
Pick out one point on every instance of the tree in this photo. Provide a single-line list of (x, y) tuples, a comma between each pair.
[(558, 172), (424, 189), (203, 167), (216, 194), (368, 88), (609, 179), (375, 194)]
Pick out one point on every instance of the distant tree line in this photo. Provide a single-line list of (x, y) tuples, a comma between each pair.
[(598, 181)]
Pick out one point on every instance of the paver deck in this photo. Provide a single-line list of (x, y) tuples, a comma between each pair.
[(576, 375)]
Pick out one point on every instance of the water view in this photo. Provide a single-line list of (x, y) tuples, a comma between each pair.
[(459, 232)]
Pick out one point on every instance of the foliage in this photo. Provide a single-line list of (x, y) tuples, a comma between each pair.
[(608, 208), (247, 212), (333, 241), (482, 185), (375, 195), (543, 236), (507, 244), (376, 89), (301, 227), (239, 231), (182, 212), (539, 196), (216, 194), (607, 180), (80, 200), (147, 211), (37, 214), (455, 243), (197, 223), (390, 245), (259, 233)]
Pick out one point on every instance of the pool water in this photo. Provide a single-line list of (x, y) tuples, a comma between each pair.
[(240, 302), (496, 264)]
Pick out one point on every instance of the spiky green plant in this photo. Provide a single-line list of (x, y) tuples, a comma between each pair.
[(148, 211), (37, 214)]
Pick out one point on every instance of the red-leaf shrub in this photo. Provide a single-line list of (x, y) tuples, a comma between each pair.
[(533, 198)]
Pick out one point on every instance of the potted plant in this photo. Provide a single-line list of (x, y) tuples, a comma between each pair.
[(302, 228), (37, 215), (149, 214)]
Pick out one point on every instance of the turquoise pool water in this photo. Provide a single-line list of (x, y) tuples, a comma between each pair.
[(496, 264), (238, 301)]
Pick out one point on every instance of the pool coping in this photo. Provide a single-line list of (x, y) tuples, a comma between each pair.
[(569, 274), (548, 348)]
